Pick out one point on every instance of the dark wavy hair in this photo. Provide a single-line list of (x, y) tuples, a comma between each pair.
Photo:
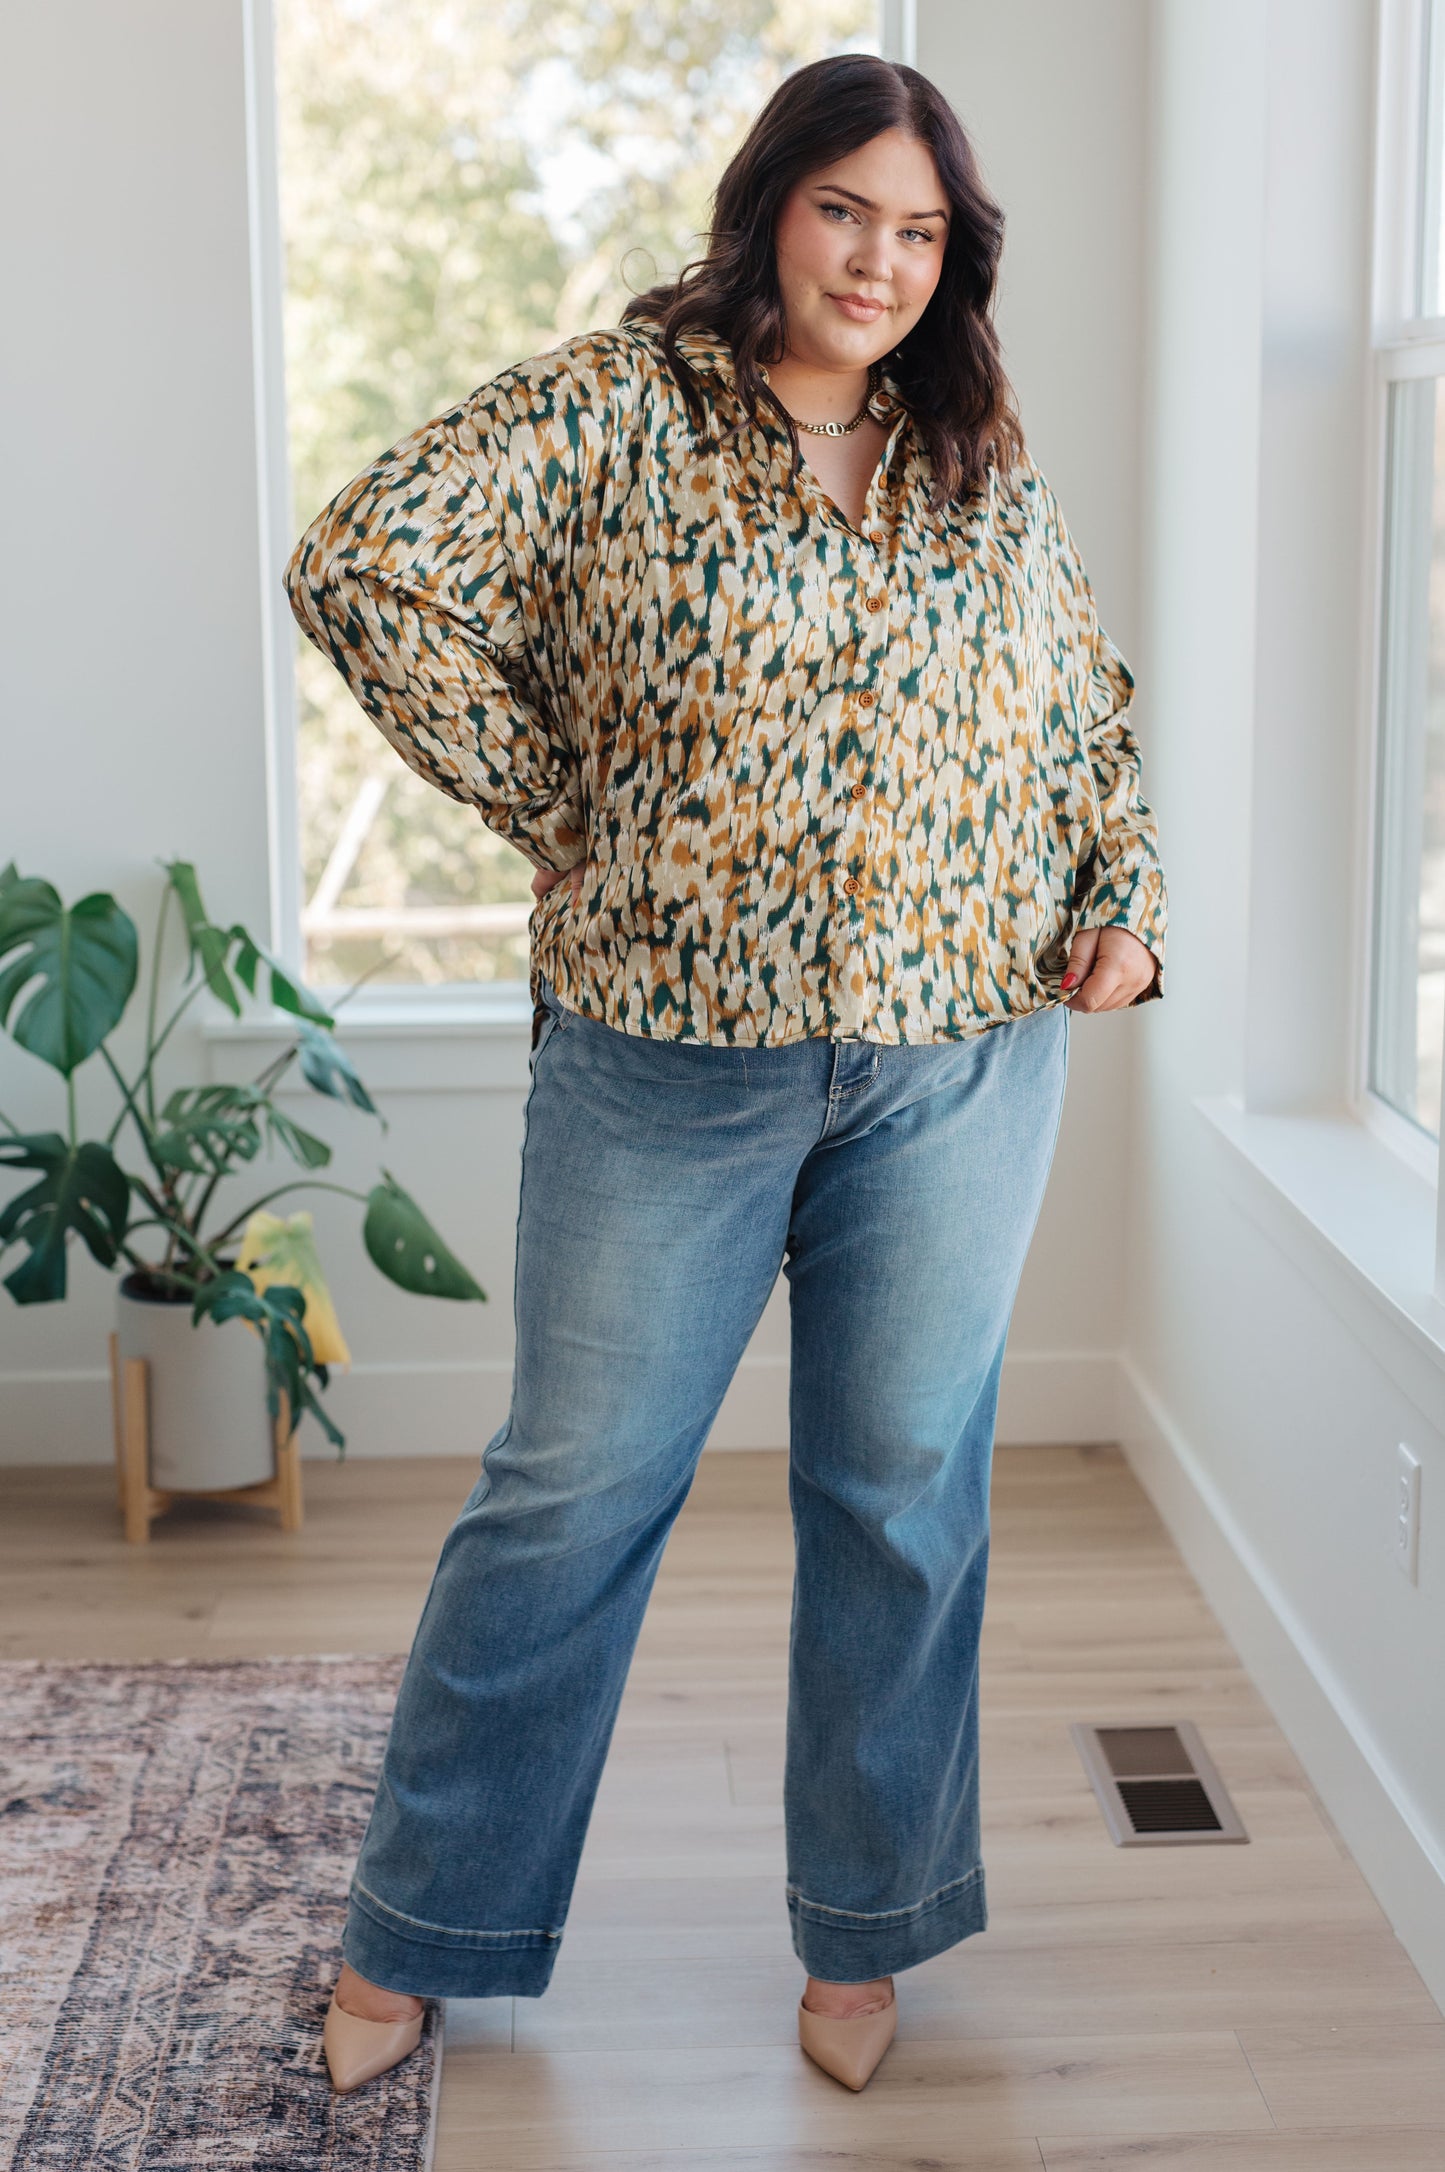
[(948, 366)]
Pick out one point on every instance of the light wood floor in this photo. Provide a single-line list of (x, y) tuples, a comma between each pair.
[(1204, 2009)]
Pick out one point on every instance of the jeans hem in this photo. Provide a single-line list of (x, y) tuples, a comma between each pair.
[(839, 1946), (430, 1962)]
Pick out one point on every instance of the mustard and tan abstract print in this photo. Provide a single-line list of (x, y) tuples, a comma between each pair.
[(824, 779)]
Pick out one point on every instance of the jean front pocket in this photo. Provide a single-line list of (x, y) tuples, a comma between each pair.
[(549, 1015)]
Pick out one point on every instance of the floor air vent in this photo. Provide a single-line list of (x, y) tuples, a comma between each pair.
[(1157, 1786)]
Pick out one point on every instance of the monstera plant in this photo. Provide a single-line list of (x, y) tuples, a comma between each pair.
[(146, 1197)]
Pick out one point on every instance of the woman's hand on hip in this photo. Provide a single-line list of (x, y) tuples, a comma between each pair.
[(544, 877), (1108, 969)]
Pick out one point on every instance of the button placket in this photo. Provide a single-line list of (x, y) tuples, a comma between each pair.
[(872, 624), (873, 654), (865, 699)]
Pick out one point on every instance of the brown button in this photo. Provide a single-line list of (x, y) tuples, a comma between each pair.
[(877, 603), (858, 791), (866, 698), (852, 884)]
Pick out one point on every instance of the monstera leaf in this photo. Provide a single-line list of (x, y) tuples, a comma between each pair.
[(207, 1128), (282, 1249), (406, 1248), (77, 962), (212, 946), (327, 1067), (277, 1316), (82, 1189)]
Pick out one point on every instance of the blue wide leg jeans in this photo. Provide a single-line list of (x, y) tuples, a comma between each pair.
[(664, 1184)]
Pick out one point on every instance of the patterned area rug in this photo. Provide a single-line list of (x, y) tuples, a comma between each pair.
[(175, 1846)]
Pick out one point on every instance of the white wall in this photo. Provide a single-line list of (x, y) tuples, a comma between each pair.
[(1264, 1394), (1065, 158), (128, 557), (138, 683)]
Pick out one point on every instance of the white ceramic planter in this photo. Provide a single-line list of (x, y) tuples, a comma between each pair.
[(209, 1427)]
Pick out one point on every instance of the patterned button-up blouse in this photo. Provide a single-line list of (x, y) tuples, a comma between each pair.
[(825, 779)]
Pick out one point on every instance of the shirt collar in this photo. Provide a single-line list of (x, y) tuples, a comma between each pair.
[(712, 358)]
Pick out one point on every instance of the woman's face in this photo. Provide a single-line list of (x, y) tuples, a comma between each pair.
[(859, 251)]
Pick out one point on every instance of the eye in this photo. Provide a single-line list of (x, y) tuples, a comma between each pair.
[(842, 209), (918, 233)]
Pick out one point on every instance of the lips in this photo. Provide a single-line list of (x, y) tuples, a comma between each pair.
[(861, 307)]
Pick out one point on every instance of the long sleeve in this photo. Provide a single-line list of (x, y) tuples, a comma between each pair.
[(1127, 888), (408, 582)]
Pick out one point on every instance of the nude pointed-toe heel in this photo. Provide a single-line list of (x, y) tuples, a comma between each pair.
[(848, 2050), (357, 2051)]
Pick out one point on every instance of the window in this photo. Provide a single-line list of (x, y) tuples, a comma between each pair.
[(1407, 973), (462, 185)]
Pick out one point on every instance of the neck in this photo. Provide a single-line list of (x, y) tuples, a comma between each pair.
[(816, 393)]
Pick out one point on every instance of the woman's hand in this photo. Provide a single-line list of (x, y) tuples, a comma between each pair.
[(544, 878), (1108, 968)]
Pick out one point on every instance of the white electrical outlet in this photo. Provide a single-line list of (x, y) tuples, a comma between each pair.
[(1405, 1539)]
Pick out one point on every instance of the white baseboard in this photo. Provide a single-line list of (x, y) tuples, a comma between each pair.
[(1391, 1837), (56, 1417), (1050, 1398), (453, 1409)]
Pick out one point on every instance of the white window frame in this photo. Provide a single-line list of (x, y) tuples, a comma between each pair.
[(1349, 1190), (1404, 346), (401, 1008), (489, 1007), (276, 538)]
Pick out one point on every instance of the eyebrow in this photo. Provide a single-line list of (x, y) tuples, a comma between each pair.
[(865, 203)]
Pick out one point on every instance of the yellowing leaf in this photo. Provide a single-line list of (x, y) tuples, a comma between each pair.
[(274, 1249)]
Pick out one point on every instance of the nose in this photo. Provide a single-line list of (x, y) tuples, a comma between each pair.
[(871, 258)]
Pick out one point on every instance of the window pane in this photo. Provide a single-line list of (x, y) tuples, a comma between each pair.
[(1430, 270), (463, 185), (1408, 981)]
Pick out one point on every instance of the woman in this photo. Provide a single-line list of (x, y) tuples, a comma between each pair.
[(754, 626)]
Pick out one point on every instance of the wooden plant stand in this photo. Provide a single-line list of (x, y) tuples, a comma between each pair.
[(141, 1502)]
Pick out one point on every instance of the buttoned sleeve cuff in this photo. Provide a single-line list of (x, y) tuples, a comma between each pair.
[(1126, 887), (1141, 908)]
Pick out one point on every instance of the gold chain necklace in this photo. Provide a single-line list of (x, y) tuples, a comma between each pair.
[(835, 429)]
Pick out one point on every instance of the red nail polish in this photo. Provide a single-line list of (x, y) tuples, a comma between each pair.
[(1069, 979)]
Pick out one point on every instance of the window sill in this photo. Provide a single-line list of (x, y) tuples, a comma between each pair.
[(403, 1041), (374, 1013), (1355, 1219)]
